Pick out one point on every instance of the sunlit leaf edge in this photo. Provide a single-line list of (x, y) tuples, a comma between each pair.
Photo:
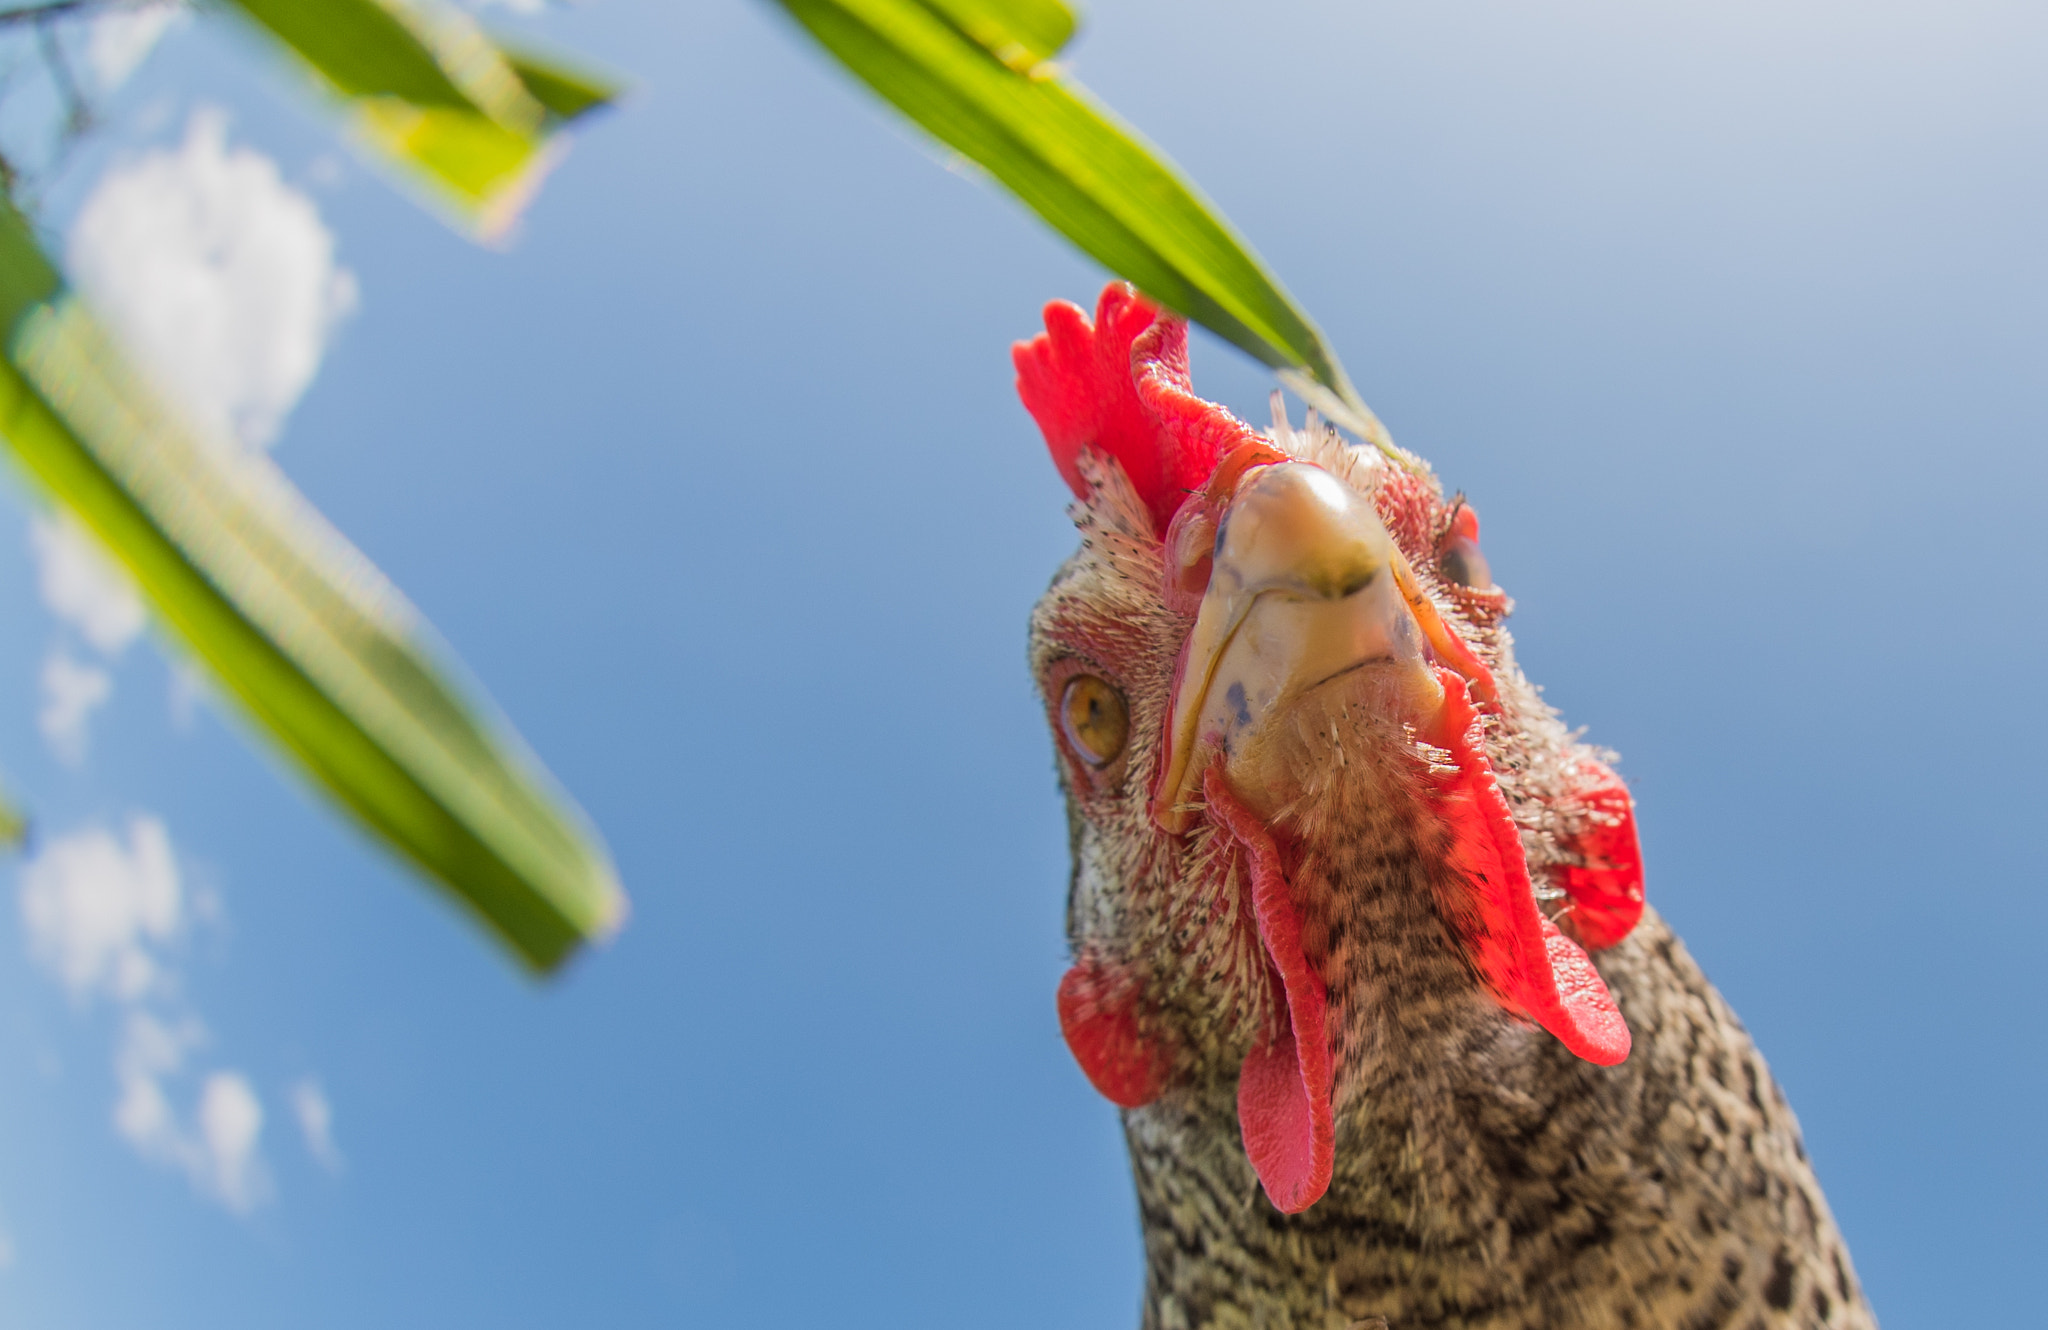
[(1090, 177)]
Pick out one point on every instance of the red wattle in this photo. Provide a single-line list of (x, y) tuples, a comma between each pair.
[(1533, 969), (1283, 1091), (1099, 1017), (1606, 888)]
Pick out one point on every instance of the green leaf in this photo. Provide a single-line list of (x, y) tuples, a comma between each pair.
[(1023, 34), (564, 92), (1091, 177), (364, 49), (321, 652), (426, 87), (13, 823)]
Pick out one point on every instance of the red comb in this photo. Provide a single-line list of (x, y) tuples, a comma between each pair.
[(1120, 385)]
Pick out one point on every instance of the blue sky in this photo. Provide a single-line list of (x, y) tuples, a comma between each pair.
[(1731, 319)]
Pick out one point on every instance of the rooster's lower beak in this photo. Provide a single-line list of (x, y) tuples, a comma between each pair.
[(1307, 588)]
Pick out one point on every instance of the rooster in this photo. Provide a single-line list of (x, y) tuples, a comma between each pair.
[(1358, 932)]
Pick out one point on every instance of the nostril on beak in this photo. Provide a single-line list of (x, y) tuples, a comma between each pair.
[(1337, 577), (1302, 585)]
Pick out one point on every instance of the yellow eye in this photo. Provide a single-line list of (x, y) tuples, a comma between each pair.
[(1095, 718)]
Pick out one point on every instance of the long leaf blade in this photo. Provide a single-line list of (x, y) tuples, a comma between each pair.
[(426, 87), (319, 649), (1092, 178), (1023, 34)]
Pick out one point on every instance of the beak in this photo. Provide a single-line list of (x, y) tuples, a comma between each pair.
[(1306, 588)]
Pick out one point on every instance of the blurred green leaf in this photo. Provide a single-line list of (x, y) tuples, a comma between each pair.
[(366, 49), (1021, 33), (564, 92), (1092, 178), (13, 823), (427, 87), (321, 651)]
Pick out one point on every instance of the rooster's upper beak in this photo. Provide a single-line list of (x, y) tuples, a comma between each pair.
[(1306, 587)]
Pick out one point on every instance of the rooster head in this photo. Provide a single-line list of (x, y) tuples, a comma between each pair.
[(1283, 698)]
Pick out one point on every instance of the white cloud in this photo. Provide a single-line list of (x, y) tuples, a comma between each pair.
[(71, 693), (86, 589), (101, 916), (94, 911), (326, 171), (122, 39), (150, 1050), (218, 274), (219, 1151), (230, 1126), (82, 584), (316, 1122)]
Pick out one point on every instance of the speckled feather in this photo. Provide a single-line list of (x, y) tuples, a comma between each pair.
[(1485, 1176)]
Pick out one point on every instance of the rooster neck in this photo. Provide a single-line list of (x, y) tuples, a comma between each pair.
[(1496, 1180)]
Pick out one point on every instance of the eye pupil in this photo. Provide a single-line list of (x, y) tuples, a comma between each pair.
[(1095, 718), (1458, 557), (1463, 564)]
